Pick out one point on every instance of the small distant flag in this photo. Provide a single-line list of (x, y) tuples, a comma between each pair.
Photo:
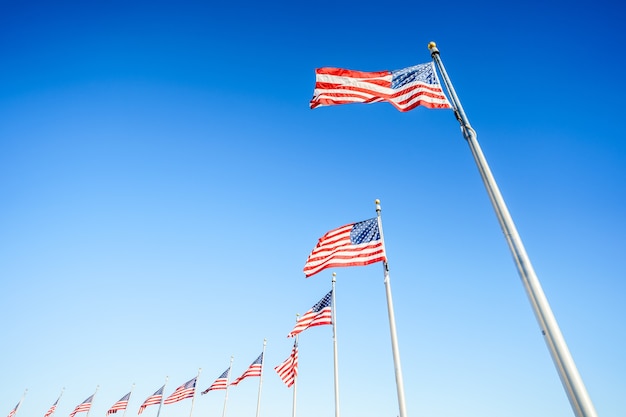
[(84, 406), (405, 88), (220, 383), (254, 369), (355, 244), (152, 400), (187, 390), (288, 370), (120, 405), (319, 315), (53, 408)]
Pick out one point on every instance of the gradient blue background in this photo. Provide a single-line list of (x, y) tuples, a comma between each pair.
[(162, 181)]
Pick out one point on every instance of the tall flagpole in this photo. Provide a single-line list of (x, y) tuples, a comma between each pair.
[(258, 401), (570, 378), (392, 322), (57, 402), (162, 397), (295, 378), (230, 368), (335, 355), (131, 392), (92, 400), (19, 405), (194, 391)]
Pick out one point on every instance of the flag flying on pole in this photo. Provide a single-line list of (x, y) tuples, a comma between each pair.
[(354, 244), (84, 406), (120, 405), (187, 390), (288, 370), (220, 383), (12, 413), (253, 370), (152, 400), (406, 88), (53, 408), (318, 315)]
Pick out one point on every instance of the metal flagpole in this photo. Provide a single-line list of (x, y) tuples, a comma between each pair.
[(230, 368), (258, 401), (335, 355), (295, 376), (162, 396), (194, 391), (570, 378), (92, 400), (57, 402), (392, 322), (131, 392), (19, 405)]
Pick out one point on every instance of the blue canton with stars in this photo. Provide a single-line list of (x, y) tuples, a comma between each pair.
[(365, 231), (421, 72), (323, 303)]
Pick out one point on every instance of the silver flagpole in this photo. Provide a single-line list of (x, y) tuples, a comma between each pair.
[(295, 378), (162, 397), (194, 392), (570, 378), (57, 403), (335, 355), (19, 405), (258, 401), (131, 393), (230, 368), (92, 400), (392, 322)]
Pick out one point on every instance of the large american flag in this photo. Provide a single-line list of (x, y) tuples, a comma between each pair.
[(84, 406), (319, 315), (406, 88), (152, 400), (354, 244), (53, 408), (220, 383), (288, 370), (187, 390), (120, 405), (254, 369)]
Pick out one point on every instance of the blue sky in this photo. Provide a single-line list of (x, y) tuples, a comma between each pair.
[(162, 181)]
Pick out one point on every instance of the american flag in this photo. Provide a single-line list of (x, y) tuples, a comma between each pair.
[(288, 370), (12, 413), (187, 390), (53, 408), (220, 383), (84, 406), (406, 88), (120, 405), (354, 244), (152, 400), (319, 315), (254, 369)]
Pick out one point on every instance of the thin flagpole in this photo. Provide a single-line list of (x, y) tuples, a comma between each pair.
[(295, 377), (230, 368), (57, 402), (570, 378), (131, 393), (92, 400), (162, 397), (392, 322), (19, 405), (258, 402), (335, 355), (194, 392)]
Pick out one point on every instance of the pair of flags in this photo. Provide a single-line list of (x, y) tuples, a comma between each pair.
[(221, 382), (187, 390)]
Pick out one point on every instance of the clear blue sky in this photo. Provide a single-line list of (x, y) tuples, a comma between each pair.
[(162, 181)]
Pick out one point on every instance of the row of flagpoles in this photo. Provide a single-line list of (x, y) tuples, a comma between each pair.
[(362, 243)]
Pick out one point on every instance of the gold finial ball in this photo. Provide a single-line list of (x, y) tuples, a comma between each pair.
[(334, 274), (377, 201), (432, 45)]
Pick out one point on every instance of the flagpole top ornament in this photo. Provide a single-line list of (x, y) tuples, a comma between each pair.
[(432, 47)]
